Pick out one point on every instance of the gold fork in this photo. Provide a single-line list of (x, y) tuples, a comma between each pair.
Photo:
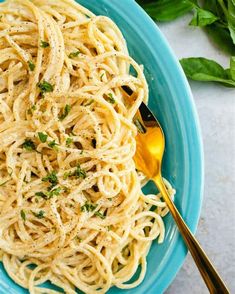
[(150, 146)]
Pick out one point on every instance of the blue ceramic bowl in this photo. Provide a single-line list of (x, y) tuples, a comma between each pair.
[(172, 102)]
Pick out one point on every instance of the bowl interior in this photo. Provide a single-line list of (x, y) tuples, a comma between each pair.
[(171, 101)]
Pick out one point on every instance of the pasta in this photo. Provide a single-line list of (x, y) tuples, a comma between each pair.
[(71, 207)]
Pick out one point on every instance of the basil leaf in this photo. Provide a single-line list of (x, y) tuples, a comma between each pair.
[(205, 70), (231, 19), (214, 7), (166, 10), (232, 67), (220, 36), (203, 18)]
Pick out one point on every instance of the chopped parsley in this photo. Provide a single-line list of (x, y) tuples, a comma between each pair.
[(49, 194), (69, 141), (29, 145), (66, 111), (42, 137), (79, 172), (40, 214), (74, 54), (89, 102), (54, 192), (88, 207), (99, 214), (111, 98), (41, 194), (44, 44), (93, 143), (66, 175), (23, 215), (45, 87), (102, 75), (53, 144), (51, 178), (31, 110), (31, 65)]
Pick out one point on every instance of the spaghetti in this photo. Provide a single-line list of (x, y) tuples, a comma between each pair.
[(71, 207)]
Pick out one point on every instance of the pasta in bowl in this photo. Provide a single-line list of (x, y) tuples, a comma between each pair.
[(71, 207)]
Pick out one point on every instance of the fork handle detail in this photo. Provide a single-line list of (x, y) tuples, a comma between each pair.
[(212, 279)]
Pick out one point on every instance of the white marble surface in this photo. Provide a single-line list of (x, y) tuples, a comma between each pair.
[(216, 108)]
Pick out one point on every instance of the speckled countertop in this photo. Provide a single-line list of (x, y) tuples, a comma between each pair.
[(216, 108)]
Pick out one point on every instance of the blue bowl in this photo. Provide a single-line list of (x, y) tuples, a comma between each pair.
[(171, 101)]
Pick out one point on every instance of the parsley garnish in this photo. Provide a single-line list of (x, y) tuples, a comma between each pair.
[(93, 143), (65, 112), (23, 215), (89, 102), (111, 98), (78, 173), (99, 214), (53, 144), (66, 175), (29, 145), (31, 110), (45, 87), (41, 194), (51, 178), (69, 141), (54, 192), (88, 207), (44, 44), (74, 54), (31, 65), (40, 214), (50, 194), (42, 137)]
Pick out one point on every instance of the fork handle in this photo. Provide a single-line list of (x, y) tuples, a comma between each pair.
[(212, 279)]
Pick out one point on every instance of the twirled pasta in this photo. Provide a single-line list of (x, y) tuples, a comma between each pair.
[(71, 207)]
